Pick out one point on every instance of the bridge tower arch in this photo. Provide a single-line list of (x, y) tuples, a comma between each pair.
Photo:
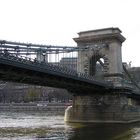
[(102, 43), (97, 62)]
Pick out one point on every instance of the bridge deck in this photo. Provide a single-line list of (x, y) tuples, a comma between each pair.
[(26, 71)]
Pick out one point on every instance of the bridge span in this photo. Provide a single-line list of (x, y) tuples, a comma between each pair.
[(18, 69)]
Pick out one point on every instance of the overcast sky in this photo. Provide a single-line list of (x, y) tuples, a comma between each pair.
[(56, 22)]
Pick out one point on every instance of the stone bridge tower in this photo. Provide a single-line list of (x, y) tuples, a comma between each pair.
[(113, 105), (103, 46)]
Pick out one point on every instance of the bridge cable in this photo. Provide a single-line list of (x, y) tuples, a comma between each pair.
[(130, 77)]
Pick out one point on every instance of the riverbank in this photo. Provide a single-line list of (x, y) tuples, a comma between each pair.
[(51, 107)]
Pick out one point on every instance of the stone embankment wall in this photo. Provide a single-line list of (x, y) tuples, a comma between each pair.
[(51, 107)]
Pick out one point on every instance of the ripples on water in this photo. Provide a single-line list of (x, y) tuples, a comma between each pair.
[(44, 126), (31, 126)]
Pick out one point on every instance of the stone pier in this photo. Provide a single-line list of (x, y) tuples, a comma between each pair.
[(102, 108)]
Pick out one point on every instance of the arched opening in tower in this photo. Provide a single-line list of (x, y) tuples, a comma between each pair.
[(96, 65)]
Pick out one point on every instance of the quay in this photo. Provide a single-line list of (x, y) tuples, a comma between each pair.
[(42, 107)]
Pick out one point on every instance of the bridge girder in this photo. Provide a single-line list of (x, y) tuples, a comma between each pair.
[(39, 74)]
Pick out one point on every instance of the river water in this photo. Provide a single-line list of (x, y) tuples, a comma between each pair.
[(45, 126)]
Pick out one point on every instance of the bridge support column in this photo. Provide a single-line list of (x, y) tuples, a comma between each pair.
[(101, 108)]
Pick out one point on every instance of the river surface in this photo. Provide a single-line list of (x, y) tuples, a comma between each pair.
[(45, 126)]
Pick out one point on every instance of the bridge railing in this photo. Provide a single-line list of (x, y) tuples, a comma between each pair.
[(48, 66)]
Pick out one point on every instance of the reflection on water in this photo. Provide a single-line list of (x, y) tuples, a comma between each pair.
[(44, 126), (102, 132)]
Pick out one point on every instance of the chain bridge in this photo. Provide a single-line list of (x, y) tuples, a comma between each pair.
[(54, 66), (92, 71)]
